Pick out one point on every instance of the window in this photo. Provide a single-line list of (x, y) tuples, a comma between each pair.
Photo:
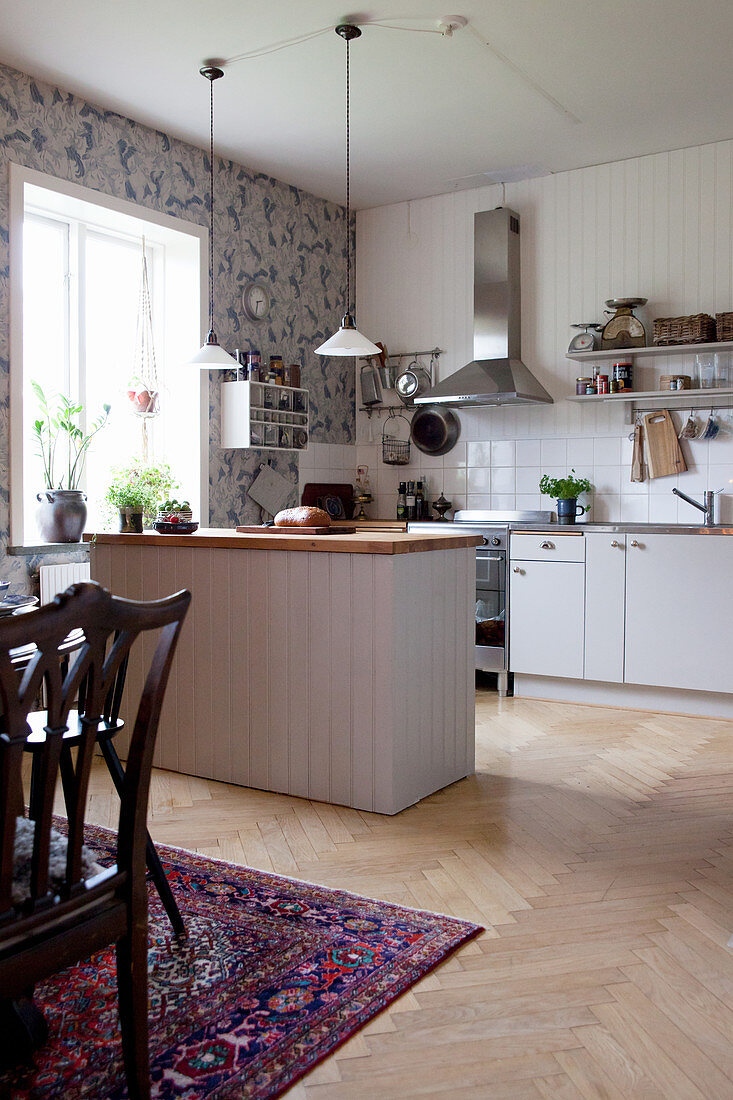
[(76, 314)]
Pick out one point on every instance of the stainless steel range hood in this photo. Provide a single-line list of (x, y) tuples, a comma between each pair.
[(497, 375)]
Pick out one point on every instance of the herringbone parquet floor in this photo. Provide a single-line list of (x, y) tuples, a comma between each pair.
[(597, 847)]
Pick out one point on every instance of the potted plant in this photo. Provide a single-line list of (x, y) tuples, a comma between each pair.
[(566, 491), (136, 490), (60, 438)]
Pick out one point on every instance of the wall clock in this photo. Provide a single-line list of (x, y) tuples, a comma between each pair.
[(256, 301)]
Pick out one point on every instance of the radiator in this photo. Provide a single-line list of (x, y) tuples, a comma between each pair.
[(57, 578)]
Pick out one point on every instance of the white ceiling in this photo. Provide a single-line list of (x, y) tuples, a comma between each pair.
[(428, 113)]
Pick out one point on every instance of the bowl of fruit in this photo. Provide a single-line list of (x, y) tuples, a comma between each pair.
[(175, 518)]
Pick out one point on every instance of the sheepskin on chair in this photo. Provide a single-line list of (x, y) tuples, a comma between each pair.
[(23, 853)]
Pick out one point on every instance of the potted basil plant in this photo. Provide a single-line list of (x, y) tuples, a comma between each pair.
[(135, 492), (61, 440), (566, 491)]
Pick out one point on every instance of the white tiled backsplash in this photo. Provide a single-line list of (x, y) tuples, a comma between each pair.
[(327, 462), (480, 473)]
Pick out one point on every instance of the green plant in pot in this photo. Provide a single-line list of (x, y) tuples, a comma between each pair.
[(135, 492), (62, 445), (566, 491)]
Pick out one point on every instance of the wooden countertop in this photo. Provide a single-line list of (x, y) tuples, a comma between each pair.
[(362, 542)]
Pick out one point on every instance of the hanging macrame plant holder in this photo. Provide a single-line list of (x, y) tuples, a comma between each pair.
[(145, 396)]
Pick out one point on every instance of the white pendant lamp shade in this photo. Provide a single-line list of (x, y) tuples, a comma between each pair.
[(348, 341), (211, 356)]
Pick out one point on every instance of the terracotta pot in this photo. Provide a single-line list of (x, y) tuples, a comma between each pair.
[(61, 515)]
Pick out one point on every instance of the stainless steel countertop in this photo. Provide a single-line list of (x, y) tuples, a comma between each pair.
[(625, 528)]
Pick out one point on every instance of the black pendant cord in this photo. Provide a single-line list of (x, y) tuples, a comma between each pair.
[(211, 209), (348, 183), (212, 73)]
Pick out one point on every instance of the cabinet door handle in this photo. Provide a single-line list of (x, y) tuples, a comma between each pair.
[(639, 545), (615, 544), (517, 569), (547, 546)]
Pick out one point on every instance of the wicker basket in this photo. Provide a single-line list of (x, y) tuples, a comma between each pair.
[(724, 326), (697, 329)]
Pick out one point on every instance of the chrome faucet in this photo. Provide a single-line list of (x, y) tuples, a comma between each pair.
[(707, 508)]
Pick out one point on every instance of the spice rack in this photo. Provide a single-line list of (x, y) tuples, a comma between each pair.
[(264, 416)]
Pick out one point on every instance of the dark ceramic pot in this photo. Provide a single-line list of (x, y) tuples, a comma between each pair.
[(61, 515), (568, 509), (131, 521)]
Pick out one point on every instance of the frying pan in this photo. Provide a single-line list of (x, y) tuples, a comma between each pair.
[(435, 429)]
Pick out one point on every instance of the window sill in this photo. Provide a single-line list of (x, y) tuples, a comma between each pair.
[(47, 548)]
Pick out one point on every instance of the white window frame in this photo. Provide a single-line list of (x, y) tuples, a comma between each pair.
[(20, 178)]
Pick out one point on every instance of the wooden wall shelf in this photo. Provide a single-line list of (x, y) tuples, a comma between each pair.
[(657, 350)]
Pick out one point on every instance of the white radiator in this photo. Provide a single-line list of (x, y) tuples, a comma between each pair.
[(57, 578)]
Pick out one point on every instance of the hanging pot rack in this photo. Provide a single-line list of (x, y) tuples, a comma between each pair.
[(434, 354)]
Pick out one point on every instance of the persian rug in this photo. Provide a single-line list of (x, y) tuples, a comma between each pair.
[(274, 975)]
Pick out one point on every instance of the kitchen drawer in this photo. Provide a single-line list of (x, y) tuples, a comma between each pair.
[(528, 546)]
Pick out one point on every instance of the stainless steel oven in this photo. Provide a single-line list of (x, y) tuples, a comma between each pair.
[(492, 612)]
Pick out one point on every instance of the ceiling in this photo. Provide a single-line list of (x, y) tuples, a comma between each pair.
[(563, 83)]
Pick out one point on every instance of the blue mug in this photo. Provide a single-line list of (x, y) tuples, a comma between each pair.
[(567, 510)]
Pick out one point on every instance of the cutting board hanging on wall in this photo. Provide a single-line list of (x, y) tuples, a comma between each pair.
[(663, 454), (270, 490)]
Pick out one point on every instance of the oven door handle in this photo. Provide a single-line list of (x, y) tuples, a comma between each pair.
[(490, 557)]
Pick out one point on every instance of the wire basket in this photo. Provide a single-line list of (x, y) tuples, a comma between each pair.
[(395, 452)]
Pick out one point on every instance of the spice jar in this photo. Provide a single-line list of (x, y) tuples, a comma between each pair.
[(591, 389), (581, 384)]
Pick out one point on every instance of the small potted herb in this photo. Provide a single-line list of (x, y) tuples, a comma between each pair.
[(135, 492), (566, 491)]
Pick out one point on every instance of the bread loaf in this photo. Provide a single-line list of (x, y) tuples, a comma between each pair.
[(303, 517)]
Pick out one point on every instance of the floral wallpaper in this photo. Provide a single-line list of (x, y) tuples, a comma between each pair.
[(264, 230)]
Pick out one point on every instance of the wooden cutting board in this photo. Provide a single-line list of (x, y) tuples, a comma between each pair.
[(254, 530), (663, 454)]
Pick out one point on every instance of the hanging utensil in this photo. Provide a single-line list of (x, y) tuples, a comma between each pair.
[(371, 390), (637, 462), (387, 374)]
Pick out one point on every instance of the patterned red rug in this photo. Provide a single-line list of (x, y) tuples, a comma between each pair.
[(274, 975)]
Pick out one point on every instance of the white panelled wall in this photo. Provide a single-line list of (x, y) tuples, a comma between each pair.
[(657, 227)]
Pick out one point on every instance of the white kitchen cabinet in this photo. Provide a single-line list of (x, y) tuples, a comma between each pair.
[(605, 587), (257, 414), (547, 605), (679, 611)]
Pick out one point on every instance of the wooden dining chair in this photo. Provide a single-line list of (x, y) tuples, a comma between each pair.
[(64, 908)]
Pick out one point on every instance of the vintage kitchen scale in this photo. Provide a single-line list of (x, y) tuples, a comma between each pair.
[(623, 330), (587, 340)]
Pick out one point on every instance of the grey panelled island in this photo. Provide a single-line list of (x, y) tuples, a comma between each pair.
[(338, 668)]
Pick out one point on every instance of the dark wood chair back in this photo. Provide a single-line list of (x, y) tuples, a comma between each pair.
[(60, 924)]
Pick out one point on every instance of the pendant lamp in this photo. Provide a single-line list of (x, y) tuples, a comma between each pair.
[(212, 355), (348, 340)]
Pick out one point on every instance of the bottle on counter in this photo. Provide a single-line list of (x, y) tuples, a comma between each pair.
[(402, 502), (419, 502), (276, 367), (410, 500)]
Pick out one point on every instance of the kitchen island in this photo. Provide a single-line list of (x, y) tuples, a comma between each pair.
[(336, 667)]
